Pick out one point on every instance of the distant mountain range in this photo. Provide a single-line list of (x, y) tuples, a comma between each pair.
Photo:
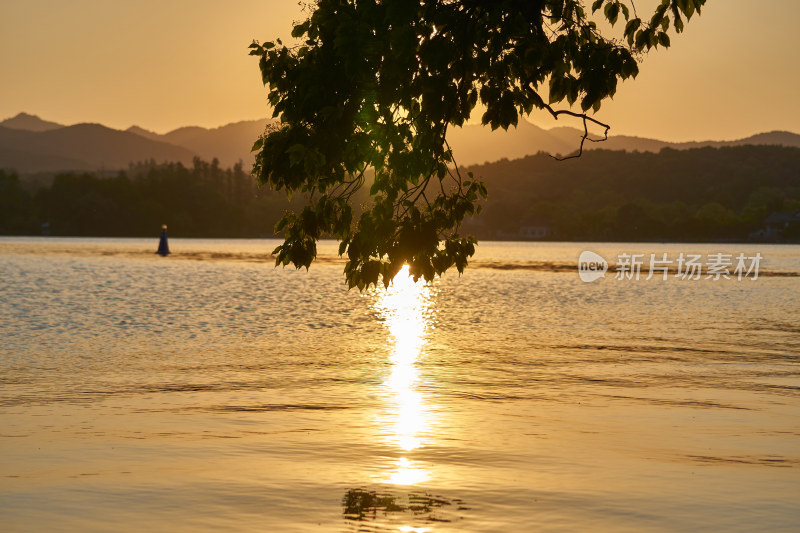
[(80, 147), (230, 143), (476, 144), (29, 144)]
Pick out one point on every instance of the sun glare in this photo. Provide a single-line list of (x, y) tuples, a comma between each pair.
[(407, 473), (406, 308), (409, 529)]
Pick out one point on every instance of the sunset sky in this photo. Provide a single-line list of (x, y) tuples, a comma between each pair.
[(162, 65)]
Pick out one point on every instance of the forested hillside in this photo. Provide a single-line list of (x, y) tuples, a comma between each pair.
[(730, 193), (698, 194)]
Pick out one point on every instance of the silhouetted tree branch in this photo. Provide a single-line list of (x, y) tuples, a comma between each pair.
[(375, 85)]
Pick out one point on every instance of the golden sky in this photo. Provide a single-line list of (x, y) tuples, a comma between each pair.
[(165, 64)]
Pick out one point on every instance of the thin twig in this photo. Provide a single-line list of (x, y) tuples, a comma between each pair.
[(583, 116)]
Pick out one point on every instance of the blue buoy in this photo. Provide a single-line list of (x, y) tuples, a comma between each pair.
[(163, 247)]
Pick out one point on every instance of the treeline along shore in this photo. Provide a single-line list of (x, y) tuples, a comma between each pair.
[(741, 193), (202, 200)]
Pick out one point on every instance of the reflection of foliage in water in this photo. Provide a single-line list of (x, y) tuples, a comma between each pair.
[(360, 504)]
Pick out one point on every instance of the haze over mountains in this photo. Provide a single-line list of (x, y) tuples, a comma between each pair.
[(29, 144), (230, 143), (81, 147)]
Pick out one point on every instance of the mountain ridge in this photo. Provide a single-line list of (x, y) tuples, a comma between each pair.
[(30, 144), (27, 122), (81, 147)]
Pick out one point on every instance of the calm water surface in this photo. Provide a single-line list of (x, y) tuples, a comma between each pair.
[(208, 391)]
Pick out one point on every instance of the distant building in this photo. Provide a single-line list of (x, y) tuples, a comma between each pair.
[(535, 232), (779, 225)]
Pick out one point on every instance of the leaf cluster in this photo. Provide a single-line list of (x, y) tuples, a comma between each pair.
[(366, 96)]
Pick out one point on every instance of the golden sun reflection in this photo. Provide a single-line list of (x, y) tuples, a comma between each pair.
[(407, 473), (409, 529), (406, 308)]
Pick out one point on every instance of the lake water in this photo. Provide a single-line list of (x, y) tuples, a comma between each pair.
[(209, 391)]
